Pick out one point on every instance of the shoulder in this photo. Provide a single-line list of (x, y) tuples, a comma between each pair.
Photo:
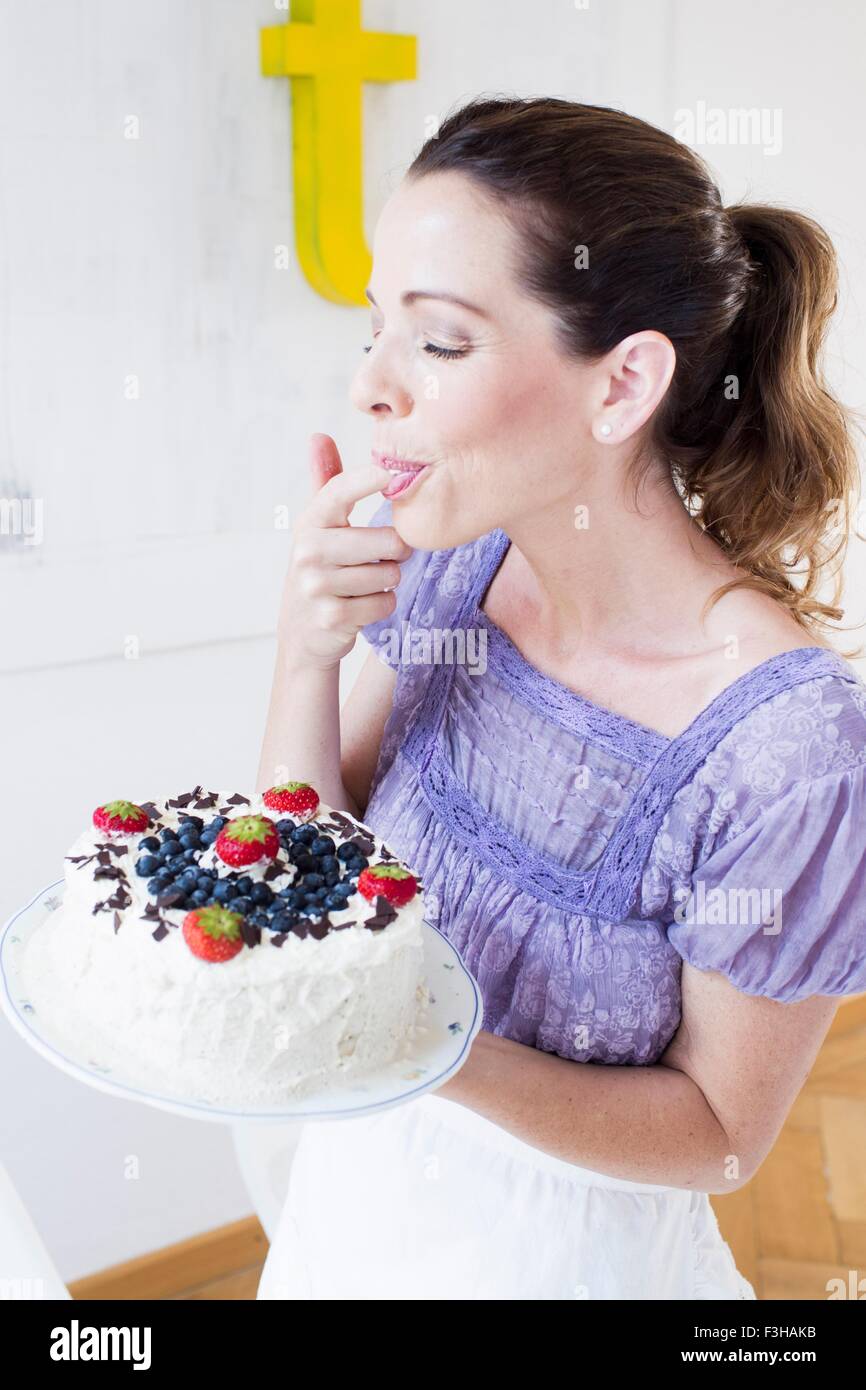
[(795, 749), (811, 730)]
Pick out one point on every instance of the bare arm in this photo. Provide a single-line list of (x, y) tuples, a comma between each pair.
[(339, 578), (364, 715), (704, 1117)]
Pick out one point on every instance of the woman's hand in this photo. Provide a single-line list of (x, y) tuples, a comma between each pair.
[(338, 574)]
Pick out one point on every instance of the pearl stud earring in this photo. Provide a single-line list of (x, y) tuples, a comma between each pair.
[(606, 429)]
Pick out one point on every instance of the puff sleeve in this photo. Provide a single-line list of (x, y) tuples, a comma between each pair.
[(780, 909), (386, 636)]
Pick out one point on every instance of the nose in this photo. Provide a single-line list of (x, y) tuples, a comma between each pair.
[(376, 388)]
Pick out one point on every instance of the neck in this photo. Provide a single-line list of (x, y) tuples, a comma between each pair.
[(616, 575)]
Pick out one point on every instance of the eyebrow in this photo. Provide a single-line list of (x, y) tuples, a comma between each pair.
[(410, 296)]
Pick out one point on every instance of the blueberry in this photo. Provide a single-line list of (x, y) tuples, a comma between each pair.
[(332, 878), (207, 837), (321, 893), (189, 841), (170, 850), (198, 898), (155, 887), (323, 844), (217, 823), (303, 834), (245, 885), (192, 823), (285, 826), (304, 862), (205, 883), (290, 897), (167, 834), (224, 890), (188, 880), (346, 852), (149, 842), (312, 909), (190, 855), (312, 881), (283, 921), (334, 901), (259, 918), (360, 860), (343, 890), (328, 864), (262, 893), (241, 904), (147, 866)]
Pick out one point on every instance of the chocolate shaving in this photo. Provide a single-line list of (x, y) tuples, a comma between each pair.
[(321, 927), (185, 798), (204, 803), (116, 921), (120, 898), (174, 895), (238, 800), (108, 871), (386, 856), (277, 937), (384, 914), (361, 845), (338, 926), (151, 810), (151, 913), (340, 824), (251, 933), (112, 849), (275, 870)]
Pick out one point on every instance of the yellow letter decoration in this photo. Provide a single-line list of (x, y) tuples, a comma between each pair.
[(326, 55)]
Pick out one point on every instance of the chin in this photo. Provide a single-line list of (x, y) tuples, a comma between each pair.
[(426, 527)]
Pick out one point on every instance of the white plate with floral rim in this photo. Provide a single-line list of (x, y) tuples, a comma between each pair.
[(453, 1020)]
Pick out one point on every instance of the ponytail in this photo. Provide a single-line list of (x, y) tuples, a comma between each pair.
[(776, 489)]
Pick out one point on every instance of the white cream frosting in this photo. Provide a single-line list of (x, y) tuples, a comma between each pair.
[(272, 1023)]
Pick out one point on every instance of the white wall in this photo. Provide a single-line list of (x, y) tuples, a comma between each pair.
[(155, 257)]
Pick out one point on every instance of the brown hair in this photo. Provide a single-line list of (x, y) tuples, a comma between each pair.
[(760, 451)]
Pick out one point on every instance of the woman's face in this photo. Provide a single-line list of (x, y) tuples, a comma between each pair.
[(502, 420)]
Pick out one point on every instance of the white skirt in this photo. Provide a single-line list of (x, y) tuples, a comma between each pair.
[(431, 1201)]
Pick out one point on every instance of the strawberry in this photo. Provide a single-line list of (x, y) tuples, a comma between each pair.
[(388, 881), (213, 933), (122, 816), (297, 797), (246, 839)]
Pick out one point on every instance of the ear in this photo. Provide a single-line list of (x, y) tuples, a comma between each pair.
[(637, 372)]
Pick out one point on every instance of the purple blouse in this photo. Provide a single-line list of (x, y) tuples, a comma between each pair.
[(575, 857)]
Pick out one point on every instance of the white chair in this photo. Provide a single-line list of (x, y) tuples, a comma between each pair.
[(26, 1269), (264, 1154)]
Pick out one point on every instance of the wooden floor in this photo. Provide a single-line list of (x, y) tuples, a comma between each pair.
[(800, 1222)]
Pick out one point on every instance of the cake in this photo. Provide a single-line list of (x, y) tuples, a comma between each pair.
[(231, 948)]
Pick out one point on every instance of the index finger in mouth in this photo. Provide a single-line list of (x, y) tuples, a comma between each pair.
[(336, 498)]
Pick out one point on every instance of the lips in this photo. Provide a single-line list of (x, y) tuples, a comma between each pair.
[(406, 472)]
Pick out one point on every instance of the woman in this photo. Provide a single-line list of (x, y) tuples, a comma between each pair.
[(640, 817)]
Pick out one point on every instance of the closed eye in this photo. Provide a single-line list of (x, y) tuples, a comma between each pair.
[(434, 350)]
